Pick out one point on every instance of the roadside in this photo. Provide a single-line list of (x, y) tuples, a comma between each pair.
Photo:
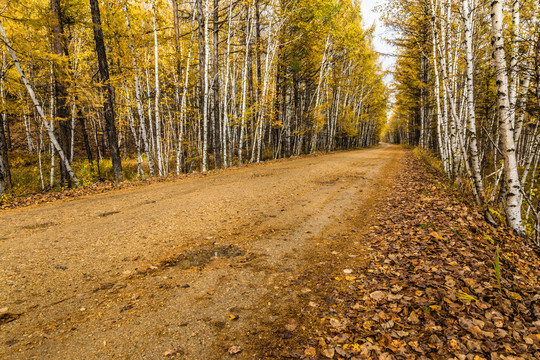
[(422, 284)]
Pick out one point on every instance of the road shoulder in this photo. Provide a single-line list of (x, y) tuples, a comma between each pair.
[(418, 283)]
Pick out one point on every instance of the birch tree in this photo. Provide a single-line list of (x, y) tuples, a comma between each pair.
[(273, 79), (37, 105), (513, 190)]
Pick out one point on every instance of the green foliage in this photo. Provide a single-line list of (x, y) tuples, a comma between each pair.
[(497, 266), (489, 239), (464, 296), (427, 225)]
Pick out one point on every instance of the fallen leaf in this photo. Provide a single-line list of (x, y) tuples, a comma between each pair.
[(292, 325), (328, 352), (234, 349), (514, 295), (310, 351), (413, 318), (378, 295), (335, 323)]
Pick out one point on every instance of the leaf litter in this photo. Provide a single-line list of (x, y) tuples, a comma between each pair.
[(423, 287)]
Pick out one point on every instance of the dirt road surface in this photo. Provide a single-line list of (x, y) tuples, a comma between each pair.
[(191, 269)]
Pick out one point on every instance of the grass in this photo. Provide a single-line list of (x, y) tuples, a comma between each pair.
[(497, 266)]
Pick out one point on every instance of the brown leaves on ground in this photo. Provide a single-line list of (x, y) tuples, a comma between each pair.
[(423, 285)]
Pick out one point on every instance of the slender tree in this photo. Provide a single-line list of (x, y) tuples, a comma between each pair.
[(108, 103), (513, 190)]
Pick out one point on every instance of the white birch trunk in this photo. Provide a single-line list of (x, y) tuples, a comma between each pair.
[(512, 70), (475, 161), (184, 97), (513, 197), (157, 95), (138, 99), (318, 94), (225, 90), (206, 86), (244, 88)]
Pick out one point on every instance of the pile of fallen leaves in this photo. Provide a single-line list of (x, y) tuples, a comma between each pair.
[(421, 284)]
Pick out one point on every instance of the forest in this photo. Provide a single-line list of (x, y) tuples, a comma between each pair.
[(118, 89), (467, 83)]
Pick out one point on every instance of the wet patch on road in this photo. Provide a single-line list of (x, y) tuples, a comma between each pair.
[(202, 256), (39, 226)]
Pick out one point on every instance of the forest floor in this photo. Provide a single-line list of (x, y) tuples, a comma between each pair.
[(362, 254)]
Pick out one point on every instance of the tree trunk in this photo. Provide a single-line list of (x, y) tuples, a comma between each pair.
[(37, 105), (475, 161), (184, 99), (157, 93), (513, 196), (203, 73), (138, 98), (108, 106), (176, 19), (244, 84), (4, 159), (62, 109), (2, 177), (216, 141)]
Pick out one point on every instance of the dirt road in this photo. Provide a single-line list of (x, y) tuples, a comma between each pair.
[(190, 269)]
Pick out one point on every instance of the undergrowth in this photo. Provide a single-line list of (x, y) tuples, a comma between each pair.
[(27, 178)]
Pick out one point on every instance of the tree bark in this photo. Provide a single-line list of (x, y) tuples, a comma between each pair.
[(37, 105), (216, 141), (475, 161), (157, 93), (62, 108), (4, 158), (108, 106), (513, 197)]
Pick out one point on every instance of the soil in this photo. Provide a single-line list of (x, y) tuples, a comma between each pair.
[(200, 268)]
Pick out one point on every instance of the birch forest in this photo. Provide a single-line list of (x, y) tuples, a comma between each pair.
[(119, 89), (468, 88)]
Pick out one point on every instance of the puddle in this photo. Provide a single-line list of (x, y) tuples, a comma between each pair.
[(105, 214), (8, 317), (340, 178), (39, 226), (202, 256), (260, 175), (328, 182)]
